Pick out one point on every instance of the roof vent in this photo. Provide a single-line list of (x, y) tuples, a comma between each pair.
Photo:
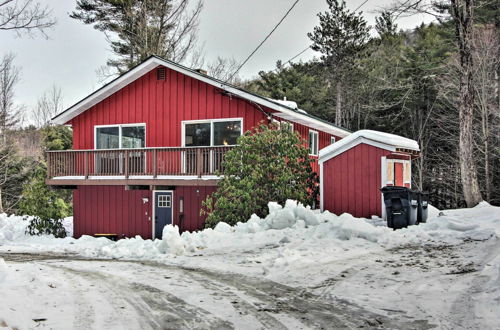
[(160, 74), (202, 71)]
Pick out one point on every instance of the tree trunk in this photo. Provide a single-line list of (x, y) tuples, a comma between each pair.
[(462, 14), (1, 202), (338, 104)]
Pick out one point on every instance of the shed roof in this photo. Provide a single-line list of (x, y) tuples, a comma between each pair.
[(378, 139), (284, 111)]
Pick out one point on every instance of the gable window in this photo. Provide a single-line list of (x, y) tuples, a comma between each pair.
[(120, 136), (215, 132), (332, 139), (313, 143)]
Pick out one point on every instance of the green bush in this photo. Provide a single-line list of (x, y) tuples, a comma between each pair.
[(45, 204), (267, 165)]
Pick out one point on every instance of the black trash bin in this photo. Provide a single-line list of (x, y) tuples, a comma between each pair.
[(422, 210), (401, 206)]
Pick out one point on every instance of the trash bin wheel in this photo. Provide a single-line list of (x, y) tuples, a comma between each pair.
[(399, 223)]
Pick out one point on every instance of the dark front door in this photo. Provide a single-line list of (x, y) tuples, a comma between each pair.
[(163, 211)]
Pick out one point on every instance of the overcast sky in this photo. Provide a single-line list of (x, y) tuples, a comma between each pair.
[(228, 28)]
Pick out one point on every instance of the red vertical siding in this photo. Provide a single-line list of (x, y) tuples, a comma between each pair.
[(111, 210), (351, 181), (193, 197)]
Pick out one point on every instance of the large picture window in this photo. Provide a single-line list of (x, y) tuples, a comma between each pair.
[(120, 136), (212, 133)]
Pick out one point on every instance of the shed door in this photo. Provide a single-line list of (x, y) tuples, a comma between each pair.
[(398, 174), (163, 211)]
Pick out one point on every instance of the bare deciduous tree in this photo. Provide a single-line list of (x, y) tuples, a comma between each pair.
[(25, 17), (47, 106), (9, 112), (461, 12), (223, 69)]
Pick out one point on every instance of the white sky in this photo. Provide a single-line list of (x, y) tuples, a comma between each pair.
[(228, 28)]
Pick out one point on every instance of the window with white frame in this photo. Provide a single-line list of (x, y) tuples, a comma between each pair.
[(313, 143), (120, 136), (332, 139), (214, 132)]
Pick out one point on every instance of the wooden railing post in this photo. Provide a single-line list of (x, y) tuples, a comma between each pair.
[(199, 162), (155, 163), (86, 164), (126, 164)]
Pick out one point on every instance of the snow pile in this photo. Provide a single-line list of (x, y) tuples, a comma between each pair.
[(12, 228), (292, 225)]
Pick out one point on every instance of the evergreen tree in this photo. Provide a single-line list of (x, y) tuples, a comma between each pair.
[(137, 29), (341, 37), (267, 165)]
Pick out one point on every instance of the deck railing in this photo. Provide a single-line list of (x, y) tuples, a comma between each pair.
[(153, 162)]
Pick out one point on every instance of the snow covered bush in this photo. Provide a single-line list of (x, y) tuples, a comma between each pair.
[(268, 164)]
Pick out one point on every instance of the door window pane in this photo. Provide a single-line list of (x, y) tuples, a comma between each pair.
[(133, 137), (107, 138), (226, 132), (197, 134)]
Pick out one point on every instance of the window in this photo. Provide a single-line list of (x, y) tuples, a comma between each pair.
[(313, 143), (164, 201), (332, 139), (212, 133), (226, 132), (197, 135), (120, 136)]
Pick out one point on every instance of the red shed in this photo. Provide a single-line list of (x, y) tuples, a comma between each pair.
[(354, 169)]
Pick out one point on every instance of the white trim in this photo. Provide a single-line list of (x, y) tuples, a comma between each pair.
[(153, 62), (211, 121), (321, 189), (153, 205), (383, 184), (315, 133), (324, 155)]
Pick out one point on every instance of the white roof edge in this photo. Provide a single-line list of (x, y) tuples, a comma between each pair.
[(378, 139), (151, 63)]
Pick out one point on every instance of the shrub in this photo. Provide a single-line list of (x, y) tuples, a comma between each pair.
[(267, 165), (45, 204)]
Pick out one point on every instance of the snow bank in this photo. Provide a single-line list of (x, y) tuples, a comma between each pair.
[(292, 222)]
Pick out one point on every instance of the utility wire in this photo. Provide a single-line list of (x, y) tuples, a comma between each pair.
[(361, 5), (262, 42), (303, 51)]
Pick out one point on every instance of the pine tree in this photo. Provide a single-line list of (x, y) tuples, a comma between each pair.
[(341, 37)]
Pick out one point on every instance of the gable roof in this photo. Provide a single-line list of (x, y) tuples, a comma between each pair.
[(378, 139), (285, 112)]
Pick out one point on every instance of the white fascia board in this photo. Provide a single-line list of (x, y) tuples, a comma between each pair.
[(326, 154), (153, 62)]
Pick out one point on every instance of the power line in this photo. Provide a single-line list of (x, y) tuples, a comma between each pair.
[(361, 5), (262, 42), (303, 51)]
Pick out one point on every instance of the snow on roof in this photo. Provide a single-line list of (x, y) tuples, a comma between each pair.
[(379, 139), (290, 104)]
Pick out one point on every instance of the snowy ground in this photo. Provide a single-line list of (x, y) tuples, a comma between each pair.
[(294, 269)]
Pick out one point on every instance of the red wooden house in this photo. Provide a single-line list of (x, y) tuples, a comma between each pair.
[(147, 145)]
